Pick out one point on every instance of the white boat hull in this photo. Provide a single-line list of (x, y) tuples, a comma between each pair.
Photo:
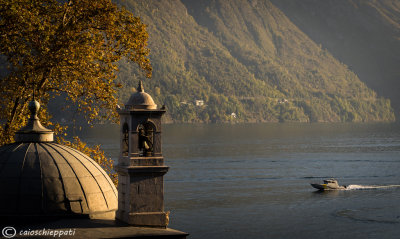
[(329, 184)]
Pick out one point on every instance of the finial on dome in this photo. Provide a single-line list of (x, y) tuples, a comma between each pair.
[(34, 107), (34, 131), (140, 87)]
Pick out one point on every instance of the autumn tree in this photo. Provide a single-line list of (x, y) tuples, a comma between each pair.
[(65, 48)]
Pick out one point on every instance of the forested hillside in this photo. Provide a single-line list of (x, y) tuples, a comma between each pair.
[(247, 62), (364, 34)]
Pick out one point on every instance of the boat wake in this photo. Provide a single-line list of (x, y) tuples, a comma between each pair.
[(367, 187)]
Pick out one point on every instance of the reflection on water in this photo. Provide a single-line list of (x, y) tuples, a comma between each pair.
[(253, 180)]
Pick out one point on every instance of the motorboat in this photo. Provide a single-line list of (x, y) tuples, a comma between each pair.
[(329, 184)]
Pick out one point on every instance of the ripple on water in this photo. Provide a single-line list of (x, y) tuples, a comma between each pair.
[(371, 215)]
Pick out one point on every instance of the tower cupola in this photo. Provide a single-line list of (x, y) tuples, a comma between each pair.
[(141, 100)]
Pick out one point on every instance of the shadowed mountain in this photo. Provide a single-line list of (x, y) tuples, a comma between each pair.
[(364, 34)]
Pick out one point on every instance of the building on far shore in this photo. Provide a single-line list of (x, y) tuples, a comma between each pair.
[(199, 102)]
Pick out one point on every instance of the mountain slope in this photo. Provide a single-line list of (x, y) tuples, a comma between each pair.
[(245, 59), (364, 34)]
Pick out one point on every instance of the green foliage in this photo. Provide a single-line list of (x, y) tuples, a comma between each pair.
[(248, 60)]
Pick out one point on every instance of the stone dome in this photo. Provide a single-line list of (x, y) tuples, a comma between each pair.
[(41, 178), (141, 100)]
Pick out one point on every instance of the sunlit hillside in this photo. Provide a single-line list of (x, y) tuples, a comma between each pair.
[(246, 61)]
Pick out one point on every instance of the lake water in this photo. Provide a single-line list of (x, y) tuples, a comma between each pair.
[(253, 180)]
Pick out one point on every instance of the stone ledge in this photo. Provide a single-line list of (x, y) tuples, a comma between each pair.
[(153, 219), (142, 169)]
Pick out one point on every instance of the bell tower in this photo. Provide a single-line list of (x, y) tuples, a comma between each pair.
[(141, 165)]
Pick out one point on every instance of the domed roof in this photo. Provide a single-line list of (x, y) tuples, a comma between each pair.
[(41, 178), (141, 100)]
